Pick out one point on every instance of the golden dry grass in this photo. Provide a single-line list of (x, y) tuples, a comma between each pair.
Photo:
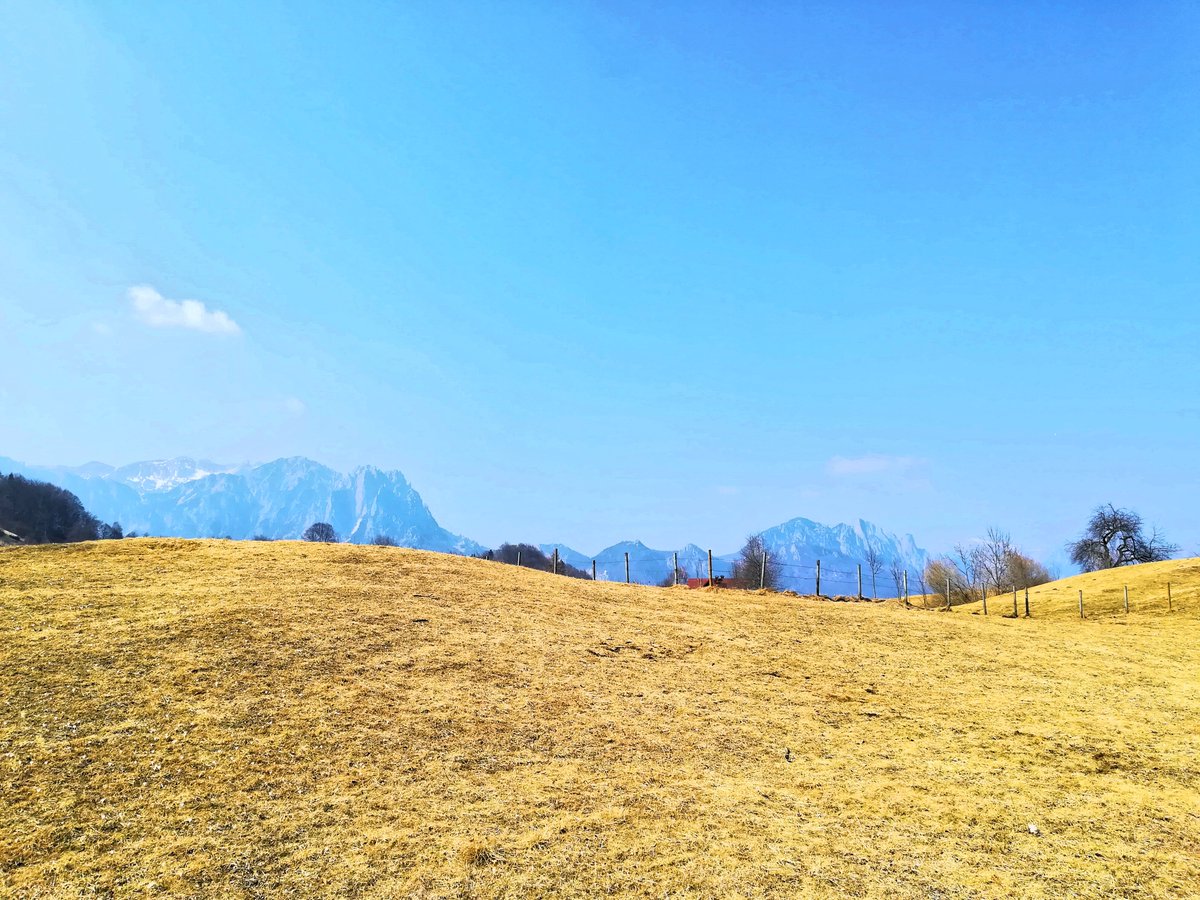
[(207, 718), (1104, 593)]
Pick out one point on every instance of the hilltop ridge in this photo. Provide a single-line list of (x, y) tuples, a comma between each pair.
[(1104, 592)]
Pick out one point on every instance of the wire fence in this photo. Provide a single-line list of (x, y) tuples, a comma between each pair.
[(846, 579), (802, 578), (888, 580), (843, 580)]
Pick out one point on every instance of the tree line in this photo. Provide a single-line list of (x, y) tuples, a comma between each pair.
[(529, 556), (989, 567), (36, 512)]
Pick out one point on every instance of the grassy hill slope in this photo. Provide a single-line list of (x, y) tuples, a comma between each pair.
[(1104, 593), (248, 719)]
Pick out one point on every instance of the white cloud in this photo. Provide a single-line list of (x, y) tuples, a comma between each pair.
[(295, 406), (157, 311), (870, 464)]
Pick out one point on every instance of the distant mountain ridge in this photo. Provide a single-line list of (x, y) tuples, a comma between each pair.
[(184, 497), (795, 545), (192, 498)]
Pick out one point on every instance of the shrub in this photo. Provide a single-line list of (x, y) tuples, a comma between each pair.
[(320, 533)]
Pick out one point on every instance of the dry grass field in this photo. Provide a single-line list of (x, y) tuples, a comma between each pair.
[(217, 719), (1104, 593)]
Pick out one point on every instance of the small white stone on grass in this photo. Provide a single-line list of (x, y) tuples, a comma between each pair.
[(1033, 829)]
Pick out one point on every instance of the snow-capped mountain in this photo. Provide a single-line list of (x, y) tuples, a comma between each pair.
[(198, 498), (164, 474)]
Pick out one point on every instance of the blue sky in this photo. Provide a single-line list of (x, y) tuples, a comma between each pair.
[(595, 272)]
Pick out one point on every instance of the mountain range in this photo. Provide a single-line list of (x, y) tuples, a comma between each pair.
[(193, 498), (197, 498), (794, 547)]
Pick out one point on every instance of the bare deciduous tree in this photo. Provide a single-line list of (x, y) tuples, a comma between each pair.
[(993, 564), (896, 570), (1115, 537), (874, 565), (671, 577), (966, 560), (993, 559), (1001, 566), (951, 578), (749, 566)]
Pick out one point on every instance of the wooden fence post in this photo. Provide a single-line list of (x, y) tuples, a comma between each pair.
[(1027, 603), (1081, 604), (710, 575), (555, 560), (1126, 599), (985, 600), (1168, 596), (675, 563), (627, 567), (860, 581), (593, 570), (818, 578), (1014, 601), (906, 587), (947, 592), (762, 572), (518, 559)]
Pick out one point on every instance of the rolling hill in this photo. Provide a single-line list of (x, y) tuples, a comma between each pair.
[(1104, 593), (210, 718)]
